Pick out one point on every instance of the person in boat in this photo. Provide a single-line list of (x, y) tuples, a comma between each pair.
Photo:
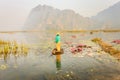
[(57, 41)]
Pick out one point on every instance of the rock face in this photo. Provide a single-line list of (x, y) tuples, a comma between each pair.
[(109, 18), (48, 18)]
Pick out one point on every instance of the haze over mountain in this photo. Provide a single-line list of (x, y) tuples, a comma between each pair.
[(44, 17), (109, 18), (48, 18)]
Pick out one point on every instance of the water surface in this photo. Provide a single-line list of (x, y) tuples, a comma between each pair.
[(38, 64)]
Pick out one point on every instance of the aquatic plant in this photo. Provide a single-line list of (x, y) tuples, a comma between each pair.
[(107, 47), (13, 48)]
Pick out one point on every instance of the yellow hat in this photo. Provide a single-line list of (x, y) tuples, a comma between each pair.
[(58, 33)]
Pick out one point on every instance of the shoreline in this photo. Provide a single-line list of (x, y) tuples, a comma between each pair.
[(109, 30)]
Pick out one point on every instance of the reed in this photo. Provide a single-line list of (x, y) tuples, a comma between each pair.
[(107, 47), (12, 48)]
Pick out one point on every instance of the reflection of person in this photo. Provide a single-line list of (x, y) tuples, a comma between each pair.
[(57, 41), (58, 63)]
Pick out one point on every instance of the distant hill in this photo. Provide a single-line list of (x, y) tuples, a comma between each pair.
[(48, 18), (109, 18)]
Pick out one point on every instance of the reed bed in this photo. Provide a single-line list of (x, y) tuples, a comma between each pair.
[(107, 47), (8, 48)]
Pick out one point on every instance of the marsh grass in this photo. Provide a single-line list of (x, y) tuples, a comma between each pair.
[(8, 48)]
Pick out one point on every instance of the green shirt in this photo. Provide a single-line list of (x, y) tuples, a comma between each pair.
[(57, 38)]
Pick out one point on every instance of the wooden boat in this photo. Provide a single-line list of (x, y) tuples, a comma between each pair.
[(55, 52)]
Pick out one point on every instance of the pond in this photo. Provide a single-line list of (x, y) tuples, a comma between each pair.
[(39, 64)]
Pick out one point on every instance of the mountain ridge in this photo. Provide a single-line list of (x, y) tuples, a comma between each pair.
[(47, 18), (109, 18)]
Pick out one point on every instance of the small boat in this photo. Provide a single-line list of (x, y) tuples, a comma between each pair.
[(55, 52)]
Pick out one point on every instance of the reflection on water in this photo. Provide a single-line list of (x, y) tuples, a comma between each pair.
[(34, 62), (58, 62)]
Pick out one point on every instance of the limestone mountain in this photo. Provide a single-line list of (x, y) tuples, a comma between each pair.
[(44, 17), (109, 18)]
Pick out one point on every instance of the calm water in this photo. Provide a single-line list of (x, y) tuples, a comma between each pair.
[(40, 65)]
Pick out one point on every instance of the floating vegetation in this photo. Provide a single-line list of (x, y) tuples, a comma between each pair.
[(3, 67), (8, 48), (116, 41), (107, 47)]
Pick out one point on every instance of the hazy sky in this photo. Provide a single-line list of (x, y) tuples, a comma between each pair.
[(13, 13)]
